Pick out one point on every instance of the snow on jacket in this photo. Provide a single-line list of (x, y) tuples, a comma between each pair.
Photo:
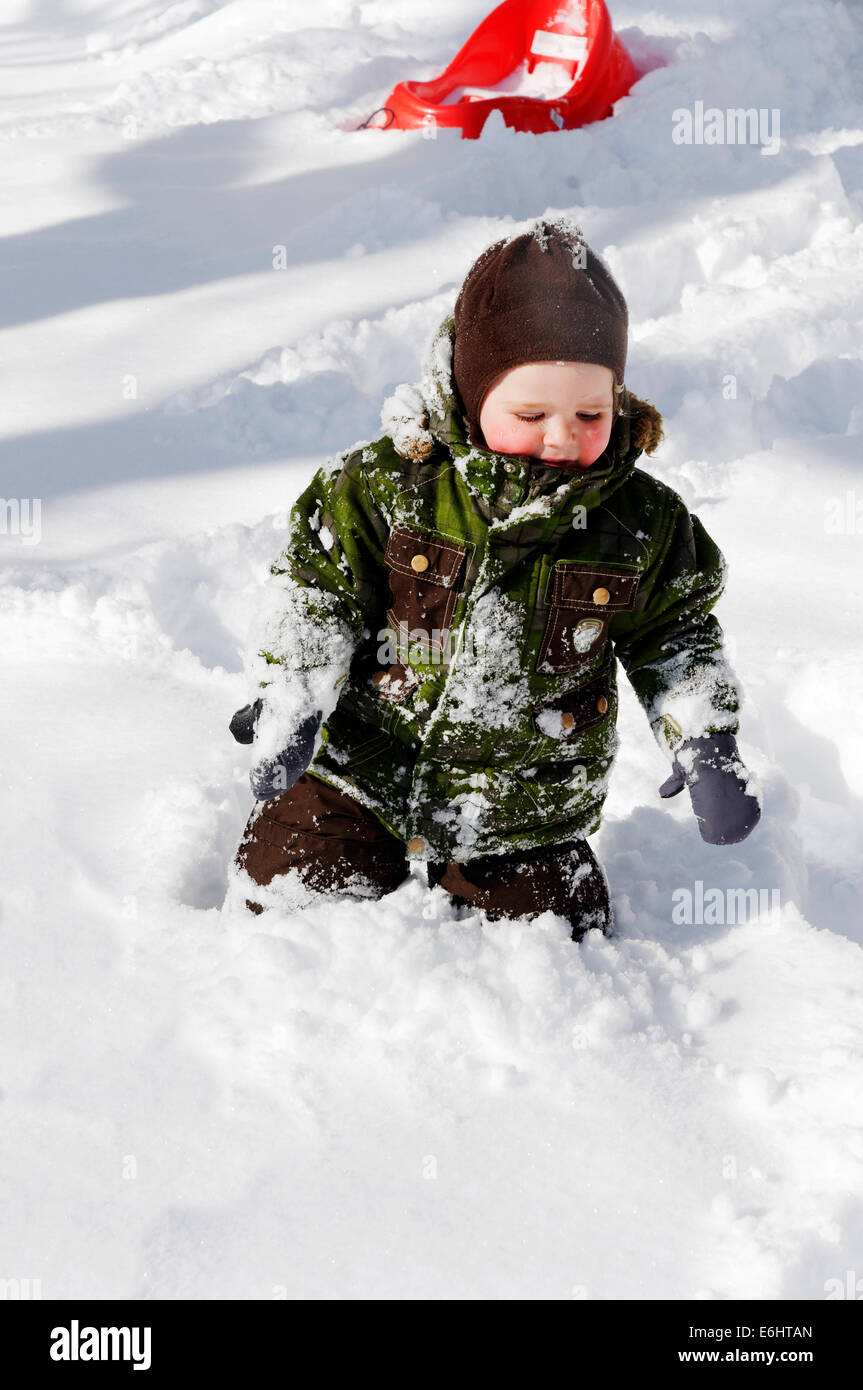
[(458, 615)]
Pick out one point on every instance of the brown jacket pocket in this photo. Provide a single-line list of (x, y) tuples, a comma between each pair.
[(566, 716), (424, 572), (583, 600)]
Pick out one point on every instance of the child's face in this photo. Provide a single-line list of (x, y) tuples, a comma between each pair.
[(558, 412)]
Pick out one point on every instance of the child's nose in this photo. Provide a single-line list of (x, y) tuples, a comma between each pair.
[(558, 432)]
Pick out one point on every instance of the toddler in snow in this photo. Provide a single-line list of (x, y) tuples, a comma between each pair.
[(438, 670)]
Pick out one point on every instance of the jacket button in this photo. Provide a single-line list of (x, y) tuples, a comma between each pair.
[(602, 704), (379, 677), (419, 563), (510, 467), (601, 596), (567, 720), (416, 845)]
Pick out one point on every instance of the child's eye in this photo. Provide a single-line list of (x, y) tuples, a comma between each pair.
[(582, 415)]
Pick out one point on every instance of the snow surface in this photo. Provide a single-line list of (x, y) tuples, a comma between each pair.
[(395, 1100)]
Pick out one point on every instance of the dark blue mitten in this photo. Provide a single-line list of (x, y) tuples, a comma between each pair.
[(711, 766), (242, 726), (274, 778)]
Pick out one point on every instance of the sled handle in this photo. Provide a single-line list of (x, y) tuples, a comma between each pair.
[(365, 123)]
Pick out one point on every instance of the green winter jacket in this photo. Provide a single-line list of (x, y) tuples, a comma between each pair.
[(458, 615)]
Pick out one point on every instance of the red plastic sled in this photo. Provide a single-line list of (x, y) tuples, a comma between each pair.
[(543, 65)]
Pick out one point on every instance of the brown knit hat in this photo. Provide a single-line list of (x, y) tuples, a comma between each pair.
[(544, 296)]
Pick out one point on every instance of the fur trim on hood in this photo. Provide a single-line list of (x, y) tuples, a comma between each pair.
[(645, 425)]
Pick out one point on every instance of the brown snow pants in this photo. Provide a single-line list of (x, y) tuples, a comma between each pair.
[(336, 844)]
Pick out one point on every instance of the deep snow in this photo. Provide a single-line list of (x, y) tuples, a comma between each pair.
[(393, 1100)]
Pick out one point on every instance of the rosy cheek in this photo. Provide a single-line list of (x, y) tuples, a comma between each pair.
[(510, 437), (594, 439)]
